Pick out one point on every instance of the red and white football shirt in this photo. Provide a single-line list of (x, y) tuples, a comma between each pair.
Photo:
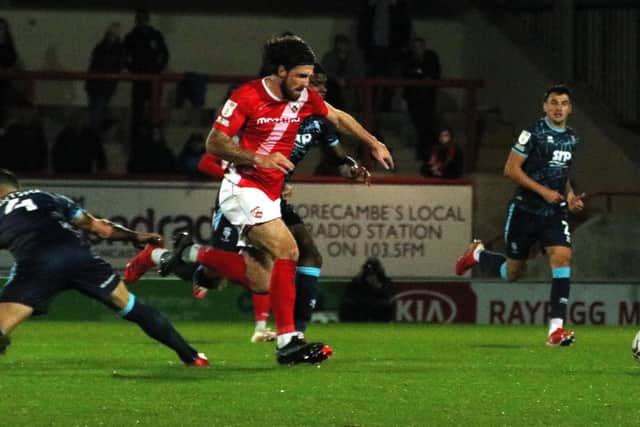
[(267, 124)]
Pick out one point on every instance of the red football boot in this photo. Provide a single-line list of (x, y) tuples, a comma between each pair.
[(466, 261), (199, 362), (139, 264), (561, 338)]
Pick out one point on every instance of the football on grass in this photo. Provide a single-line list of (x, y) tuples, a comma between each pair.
[(635, 347)]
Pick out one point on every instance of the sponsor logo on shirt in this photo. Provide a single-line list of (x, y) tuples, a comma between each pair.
[(272, 120), (222, 121)]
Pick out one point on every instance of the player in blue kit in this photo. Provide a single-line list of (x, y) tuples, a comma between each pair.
[(43, 232), (539, 164)]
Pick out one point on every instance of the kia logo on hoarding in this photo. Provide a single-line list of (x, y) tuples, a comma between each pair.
[(424, 306)]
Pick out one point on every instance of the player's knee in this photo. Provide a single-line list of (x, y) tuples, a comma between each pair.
[(289, 252), (259, 287), (561, 260)]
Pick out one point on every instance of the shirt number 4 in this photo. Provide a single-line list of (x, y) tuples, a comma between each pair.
[(17, 204)]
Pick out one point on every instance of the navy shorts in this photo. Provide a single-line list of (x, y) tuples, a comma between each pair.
[(35, 282), (289, 214), (225, 235), (523, 229)]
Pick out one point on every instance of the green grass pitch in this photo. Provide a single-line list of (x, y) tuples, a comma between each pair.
[(111, 374)]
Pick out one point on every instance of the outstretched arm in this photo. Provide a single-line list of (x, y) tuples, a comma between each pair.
[(349, 167), (112, 231), (345, 123)]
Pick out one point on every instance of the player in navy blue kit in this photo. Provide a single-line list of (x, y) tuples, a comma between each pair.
[(43, 232), (539, 164)]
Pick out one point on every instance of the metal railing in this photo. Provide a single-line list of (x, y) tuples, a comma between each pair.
[(366, 86)]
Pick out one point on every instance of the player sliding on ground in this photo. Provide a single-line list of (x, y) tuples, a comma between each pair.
[(42, 232)]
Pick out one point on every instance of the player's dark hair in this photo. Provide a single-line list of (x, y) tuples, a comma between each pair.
[(8, 177), (288, 51), (317, 69), (558, 89)]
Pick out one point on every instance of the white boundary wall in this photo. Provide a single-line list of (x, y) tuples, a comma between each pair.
[(416, 230)]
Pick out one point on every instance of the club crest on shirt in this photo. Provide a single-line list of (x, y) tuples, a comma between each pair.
[(294, 106), (227, 109)]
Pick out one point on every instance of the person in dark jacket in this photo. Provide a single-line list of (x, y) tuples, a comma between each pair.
[(78, 149), (368, 296), (148, 54), (8, 60), (422, 63), (445, 159), (108, 56)]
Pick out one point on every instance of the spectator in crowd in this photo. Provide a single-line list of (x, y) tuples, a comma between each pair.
[(342, 64), (78, 149), (108, 56), (8, 61), (445, 159), (148, 54), (384, 33), (368, 296), (422, 63), (150, 154), (190, 156), (23, 146)]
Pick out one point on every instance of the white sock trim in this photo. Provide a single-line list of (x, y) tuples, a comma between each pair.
[(554, 324), (477, 251), (191, 255), (284, 339), (156, 254), (261, 325)]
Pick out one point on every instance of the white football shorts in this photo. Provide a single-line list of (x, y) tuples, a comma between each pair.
[(244, 206)]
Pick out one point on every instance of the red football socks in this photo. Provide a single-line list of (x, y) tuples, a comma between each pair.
[(283, 295), (261, 306), (227, 264)]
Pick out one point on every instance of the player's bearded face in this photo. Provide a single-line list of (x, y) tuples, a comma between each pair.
[(295, 81)]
